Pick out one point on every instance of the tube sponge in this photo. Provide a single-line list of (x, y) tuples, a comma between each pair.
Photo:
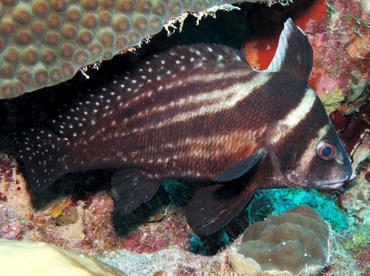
[(295, 242)]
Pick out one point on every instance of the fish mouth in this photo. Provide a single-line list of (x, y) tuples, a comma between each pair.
[(333, 183), (330, 185), (322, 185)]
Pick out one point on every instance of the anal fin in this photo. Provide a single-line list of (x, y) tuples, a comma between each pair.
[(213, 206), (130, 188)]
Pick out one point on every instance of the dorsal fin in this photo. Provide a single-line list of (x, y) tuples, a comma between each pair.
[(200, 55), (294, 52)]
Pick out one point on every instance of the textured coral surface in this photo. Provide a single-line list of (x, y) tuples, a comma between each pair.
[(45, 42), (295, 241)]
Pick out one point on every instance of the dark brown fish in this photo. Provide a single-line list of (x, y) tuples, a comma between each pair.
[(197, 113)]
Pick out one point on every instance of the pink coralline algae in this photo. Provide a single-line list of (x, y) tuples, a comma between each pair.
[(10, 226)]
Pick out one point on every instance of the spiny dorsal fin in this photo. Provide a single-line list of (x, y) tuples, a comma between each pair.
[(294, 52), (195, 56)]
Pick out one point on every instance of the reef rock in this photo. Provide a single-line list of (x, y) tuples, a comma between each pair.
[(295, 242), (39, 258)]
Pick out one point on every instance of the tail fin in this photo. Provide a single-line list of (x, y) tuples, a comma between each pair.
[(40, 152)]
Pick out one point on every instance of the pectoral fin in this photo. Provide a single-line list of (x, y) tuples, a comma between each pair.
[(241, 167), (214, 206), (130, 188)]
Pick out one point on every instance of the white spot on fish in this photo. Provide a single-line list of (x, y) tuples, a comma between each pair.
[(198, 65)]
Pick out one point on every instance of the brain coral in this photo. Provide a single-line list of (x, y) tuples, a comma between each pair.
[(291, 243), (45, 42)]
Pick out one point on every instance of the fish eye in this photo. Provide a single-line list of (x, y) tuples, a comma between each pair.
[(326, 150)]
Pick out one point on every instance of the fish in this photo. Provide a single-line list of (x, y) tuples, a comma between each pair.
[(196, 113)]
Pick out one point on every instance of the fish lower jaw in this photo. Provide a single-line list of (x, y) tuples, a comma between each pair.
[(306, 183), (333, 184)]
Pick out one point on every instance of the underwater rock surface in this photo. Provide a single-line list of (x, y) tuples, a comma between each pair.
[(39, 258), (295, 242)]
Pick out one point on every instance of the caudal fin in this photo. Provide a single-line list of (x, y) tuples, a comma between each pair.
[(40, 154)]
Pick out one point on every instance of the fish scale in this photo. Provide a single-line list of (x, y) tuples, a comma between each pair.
[(198, 113)]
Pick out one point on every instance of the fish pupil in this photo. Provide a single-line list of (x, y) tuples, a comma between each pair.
[(326, 151)]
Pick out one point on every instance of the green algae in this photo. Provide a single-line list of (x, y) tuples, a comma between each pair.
[(359, 238), (333, 99), (274, 201)]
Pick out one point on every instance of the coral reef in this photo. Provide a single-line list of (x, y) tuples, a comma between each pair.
[(168, 262), (355, 201), (45, 42), (76, 213), (39, 258), (295, 242)]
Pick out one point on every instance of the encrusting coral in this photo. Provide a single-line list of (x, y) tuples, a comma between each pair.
[(43, 43), (295, 242)]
